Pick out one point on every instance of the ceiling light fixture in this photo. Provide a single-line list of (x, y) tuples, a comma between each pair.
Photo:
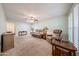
[(32, 19)]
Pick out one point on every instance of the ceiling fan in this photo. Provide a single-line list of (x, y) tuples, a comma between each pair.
[(31, 19)]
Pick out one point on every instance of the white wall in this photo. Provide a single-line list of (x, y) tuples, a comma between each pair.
[(10, 26), (54, 23), (2, 22), (16, 26), (22, 26)]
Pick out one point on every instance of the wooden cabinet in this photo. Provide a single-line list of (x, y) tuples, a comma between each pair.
[(7, 42), (62, 48)]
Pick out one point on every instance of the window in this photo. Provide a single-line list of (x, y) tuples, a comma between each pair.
[(76, 26), (70, 27)]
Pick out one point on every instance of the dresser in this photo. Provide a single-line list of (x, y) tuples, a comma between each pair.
[(7, 41)]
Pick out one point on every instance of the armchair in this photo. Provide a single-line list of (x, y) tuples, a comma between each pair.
[(57, 34)]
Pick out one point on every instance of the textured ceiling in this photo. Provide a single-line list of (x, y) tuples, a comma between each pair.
[(42, 11)]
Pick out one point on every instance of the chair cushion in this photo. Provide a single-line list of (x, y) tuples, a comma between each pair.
[(56, 36)]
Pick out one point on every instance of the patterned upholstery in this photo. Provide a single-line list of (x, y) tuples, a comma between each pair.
[(57, 34), (57, 31)]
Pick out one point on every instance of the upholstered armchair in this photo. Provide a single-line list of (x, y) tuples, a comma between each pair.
[(57, 34)]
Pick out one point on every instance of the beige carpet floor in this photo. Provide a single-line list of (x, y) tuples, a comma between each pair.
[(29, 46)]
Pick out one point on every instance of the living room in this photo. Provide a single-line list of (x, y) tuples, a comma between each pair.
[(33, 25)]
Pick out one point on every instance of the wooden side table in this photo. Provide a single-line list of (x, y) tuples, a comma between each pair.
[(64, 45)]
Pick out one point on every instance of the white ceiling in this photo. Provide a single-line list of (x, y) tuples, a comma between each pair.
[(19, 11)]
